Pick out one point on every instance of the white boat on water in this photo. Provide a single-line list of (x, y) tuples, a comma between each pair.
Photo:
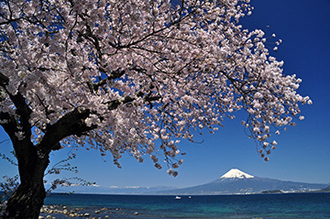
[(177, 197)]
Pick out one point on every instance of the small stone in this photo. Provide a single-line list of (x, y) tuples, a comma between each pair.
[(97, 211), (86, 215), (106, 216), (48, 217), (136, 213), (40, 217)]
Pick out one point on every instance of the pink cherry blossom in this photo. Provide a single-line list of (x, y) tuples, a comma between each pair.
[(136, 76)]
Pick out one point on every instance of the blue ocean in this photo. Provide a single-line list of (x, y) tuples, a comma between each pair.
[(298, 205)]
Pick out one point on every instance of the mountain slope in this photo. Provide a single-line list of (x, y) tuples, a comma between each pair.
[(238, 182)]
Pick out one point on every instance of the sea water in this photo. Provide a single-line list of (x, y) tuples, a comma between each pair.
[(292, 205)]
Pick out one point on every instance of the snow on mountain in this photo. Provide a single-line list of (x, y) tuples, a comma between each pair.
[(236, 173)]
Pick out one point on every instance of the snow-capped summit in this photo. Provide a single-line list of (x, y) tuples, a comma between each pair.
[(236, 173)]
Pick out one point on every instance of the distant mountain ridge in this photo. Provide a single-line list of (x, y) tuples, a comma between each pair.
[(234, 181), (134, 190), (237, 182)]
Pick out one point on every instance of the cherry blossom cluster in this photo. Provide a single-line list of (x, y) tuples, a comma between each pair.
[(150, 72)]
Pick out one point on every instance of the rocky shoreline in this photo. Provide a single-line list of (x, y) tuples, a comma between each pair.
[(62, 211)]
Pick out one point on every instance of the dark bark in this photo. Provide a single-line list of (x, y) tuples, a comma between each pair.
[(26, 202), (34, 159), (29, 197)]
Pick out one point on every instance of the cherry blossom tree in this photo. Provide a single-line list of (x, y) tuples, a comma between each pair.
[(131, 76)]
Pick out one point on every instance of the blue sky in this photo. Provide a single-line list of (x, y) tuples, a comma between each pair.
[(302, 152)]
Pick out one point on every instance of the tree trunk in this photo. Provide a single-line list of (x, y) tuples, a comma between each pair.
[(28, 199), (26, 202)]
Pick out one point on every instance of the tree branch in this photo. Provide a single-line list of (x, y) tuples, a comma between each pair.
[(9, 125), (114, 75), (22, 108), (128, 99), (72, 123)]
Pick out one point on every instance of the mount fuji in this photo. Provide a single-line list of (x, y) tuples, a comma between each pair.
[(236, 181), (236, 174)]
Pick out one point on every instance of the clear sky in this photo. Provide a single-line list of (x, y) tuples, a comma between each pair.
[(302, 152)]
